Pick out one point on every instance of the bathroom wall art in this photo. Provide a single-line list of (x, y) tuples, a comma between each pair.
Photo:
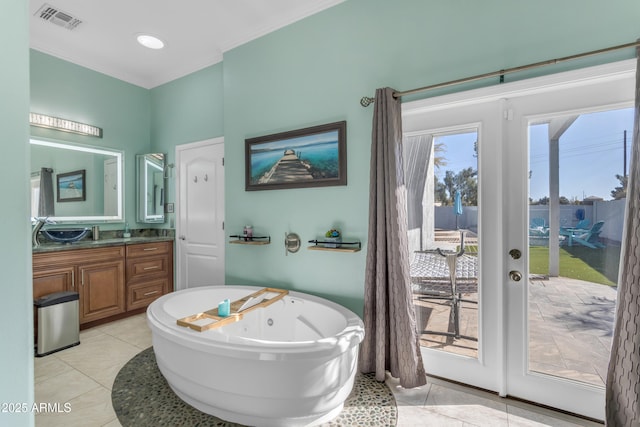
[(71, 186), (310, 157)]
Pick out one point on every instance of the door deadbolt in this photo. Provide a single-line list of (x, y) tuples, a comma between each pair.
[(515, 253), (514, 275)]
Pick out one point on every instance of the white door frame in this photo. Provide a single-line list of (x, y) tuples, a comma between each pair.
[(178, 233), (507, 297)]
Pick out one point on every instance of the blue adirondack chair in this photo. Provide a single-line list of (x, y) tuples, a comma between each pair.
[(588, 238), (582, 224)]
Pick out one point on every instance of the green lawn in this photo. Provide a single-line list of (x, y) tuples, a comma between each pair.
[(579, 262)]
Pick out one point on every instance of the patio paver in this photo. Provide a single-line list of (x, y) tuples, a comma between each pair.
[(570, 327)]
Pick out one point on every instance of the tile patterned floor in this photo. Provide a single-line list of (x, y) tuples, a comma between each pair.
[(83, 376), (570, 327)]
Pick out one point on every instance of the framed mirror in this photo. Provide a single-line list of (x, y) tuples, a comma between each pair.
[(76, 183), (150, 187)]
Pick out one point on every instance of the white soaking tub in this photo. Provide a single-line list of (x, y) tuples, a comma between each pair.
[(289, 364)]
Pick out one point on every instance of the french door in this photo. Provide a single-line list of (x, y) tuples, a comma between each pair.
[(544, 231)]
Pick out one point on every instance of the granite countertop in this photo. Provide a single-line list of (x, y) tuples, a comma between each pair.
[(47, 246)]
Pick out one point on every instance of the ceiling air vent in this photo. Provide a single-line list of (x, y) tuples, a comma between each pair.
[(58, 17)]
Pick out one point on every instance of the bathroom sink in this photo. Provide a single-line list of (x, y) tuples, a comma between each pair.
[(65, 235)]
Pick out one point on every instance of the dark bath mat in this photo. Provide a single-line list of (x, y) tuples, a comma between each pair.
[(141, 397)]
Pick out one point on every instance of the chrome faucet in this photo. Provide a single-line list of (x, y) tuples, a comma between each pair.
[(36, 229)]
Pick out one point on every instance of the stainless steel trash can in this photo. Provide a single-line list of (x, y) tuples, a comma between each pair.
[(58, 322)]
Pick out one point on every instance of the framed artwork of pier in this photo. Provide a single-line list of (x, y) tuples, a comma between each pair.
[(310, 157), (71, 186)]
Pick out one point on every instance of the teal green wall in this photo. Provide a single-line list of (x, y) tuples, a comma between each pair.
[(316, 70), (186, 110), (122, 110), (16, 357)]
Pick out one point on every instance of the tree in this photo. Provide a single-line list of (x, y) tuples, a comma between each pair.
[(541, 201), (465, 181), (440, 192), (438, 158), (620, 192)]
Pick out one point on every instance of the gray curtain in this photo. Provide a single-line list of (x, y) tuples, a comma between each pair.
[(46, 201), (623, 376), (391, 340)]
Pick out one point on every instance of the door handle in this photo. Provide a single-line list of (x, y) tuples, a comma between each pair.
[(514, 275), (182, 238)]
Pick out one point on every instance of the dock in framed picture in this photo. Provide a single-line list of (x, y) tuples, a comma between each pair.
[(309, 157), (71, 186)]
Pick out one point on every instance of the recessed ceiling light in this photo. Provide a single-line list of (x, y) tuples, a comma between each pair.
[(150, 41)]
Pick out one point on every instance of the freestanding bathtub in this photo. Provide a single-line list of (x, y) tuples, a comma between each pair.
[(289, 364)]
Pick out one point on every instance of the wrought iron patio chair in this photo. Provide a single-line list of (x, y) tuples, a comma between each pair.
[(432, 278)]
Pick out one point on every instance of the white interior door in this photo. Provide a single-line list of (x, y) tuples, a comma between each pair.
[(110, 187), (515, 355), (200, 214)]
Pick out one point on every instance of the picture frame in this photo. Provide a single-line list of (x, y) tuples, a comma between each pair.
[(71, 186), (311, 157)]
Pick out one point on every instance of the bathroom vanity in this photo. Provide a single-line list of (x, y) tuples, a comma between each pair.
[(114, 278)]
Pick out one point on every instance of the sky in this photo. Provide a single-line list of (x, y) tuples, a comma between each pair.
[(591, 154)]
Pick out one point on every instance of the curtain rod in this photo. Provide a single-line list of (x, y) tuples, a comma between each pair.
[(365, 101)]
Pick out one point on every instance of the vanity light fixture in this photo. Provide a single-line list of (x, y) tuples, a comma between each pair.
[(44, 121), (149, 41)]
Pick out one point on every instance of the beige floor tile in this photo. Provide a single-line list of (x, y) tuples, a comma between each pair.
[(465, 407), (89, 409), (48, 367), (416, 416), (122, 326), (89, 333), (113, 423), (100, 357), (64, 387), (133, 330)]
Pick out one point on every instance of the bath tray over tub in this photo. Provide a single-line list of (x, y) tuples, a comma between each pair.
[(198, 322)]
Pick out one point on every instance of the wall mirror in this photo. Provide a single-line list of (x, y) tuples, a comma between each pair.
[(74, 183), (150, 188)]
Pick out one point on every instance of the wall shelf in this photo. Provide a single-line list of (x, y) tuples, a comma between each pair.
[(255, 240), (344, 246)]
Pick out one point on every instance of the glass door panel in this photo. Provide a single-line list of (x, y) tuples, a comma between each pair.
[(577, 185), (564, 210), (442, 181)]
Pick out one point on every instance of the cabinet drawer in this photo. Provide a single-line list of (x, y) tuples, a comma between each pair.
[(144, 268), (148, 249), (143, 294)]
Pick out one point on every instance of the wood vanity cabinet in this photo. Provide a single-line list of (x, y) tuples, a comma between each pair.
[(96, 274), (112, 282), (149, 273)]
